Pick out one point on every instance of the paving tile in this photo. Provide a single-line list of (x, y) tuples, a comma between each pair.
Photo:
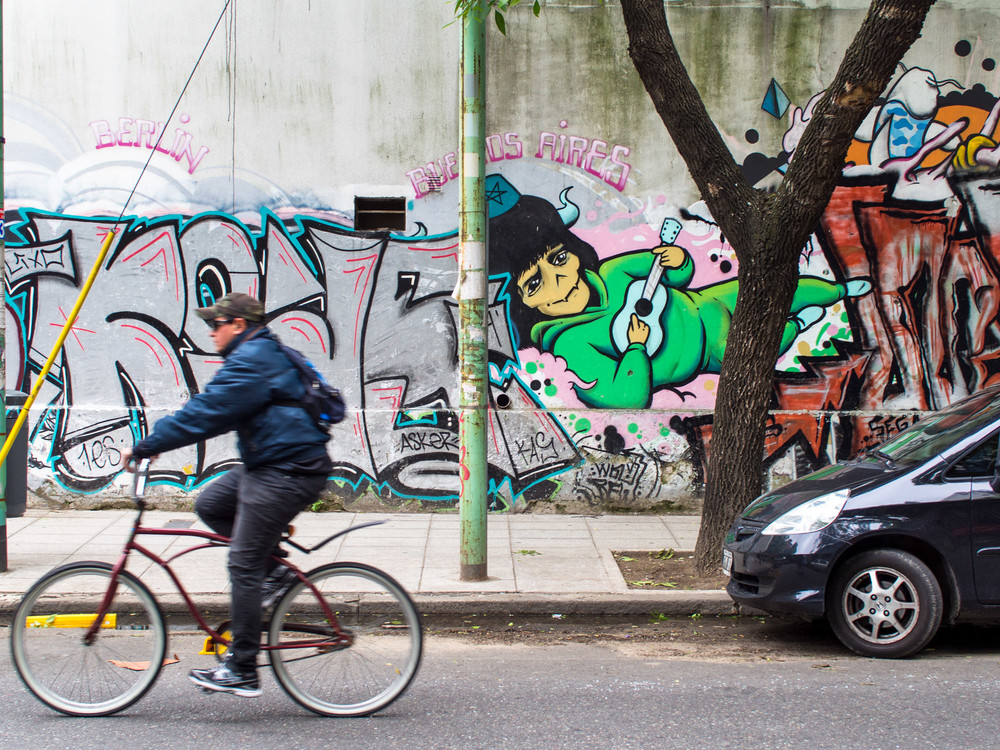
[(17, 582), (449, 581), (636, 544), (56, 530), (20, 575), (551, 533), (545, 525), (108, 551)]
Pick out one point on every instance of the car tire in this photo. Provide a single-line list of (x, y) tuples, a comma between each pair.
[(909, 599)]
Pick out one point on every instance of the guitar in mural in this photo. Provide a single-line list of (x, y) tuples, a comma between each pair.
[(646, 299)]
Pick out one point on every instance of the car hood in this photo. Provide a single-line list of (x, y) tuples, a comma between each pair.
[(854, 476)]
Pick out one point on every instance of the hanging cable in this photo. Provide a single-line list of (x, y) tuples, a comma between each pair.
[(173, 111), (92, 276)]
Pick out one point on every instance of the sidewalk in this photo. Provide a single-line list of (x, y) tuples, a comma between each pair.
[(537, 564)]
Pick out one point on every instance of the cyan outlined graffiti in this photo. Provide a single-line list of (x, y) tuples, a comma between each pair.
[(374, 309)]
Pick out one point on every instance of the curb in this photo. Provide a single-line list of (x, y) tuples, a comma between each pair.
[(523, 605), (671, 603)]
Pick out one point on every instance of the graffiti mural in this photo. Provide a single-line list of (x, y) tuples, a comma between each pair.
[(895, 313), (608, 306), (357, 302), (629, 325), (916, 212)]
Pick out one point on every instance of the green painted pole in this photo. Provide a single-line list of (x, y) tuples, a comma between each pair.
[(471, 294), (3, 344)]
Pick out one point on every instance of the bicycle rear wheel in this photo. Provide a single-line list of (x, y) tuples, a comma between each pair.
[(68, 674), (373, 668)]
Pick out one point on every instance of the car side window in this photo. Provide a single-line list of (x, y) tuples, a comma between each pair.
[(978, 462)]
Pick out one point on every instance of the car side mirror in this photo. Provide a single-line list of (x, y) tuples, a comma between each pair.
[(995, 481)]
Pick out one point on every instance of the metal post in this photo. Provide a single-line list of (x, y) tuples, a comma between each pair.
[(3, 340), (471, 294)]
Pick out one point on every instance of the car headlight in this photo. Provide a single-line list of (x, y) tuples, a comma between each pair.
[(810, 516)]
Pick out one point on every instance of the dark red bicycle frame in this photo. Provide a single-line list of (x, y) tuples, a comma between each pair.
[(337, 639)]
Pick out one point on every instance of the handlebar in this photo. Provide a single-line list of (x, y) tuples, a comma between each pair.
[(139, 480)]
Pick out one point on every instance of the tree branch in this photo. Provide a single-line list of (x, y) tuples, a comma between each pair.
[(717, 175), (888, 31)]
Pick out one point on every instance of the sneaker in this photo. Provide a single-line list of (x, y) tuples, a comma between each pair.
[(227, 678), (277, 582)]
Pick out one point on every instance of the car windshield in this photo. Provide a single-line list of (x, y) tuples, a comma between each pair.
[(937, 432)]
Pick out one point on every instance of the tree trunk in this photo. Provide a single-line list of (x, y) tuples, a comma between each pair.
[(765, 231), (768, 279)]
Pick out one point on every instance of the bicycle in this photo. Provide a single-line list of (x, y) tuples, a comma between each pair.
[(89, 638)]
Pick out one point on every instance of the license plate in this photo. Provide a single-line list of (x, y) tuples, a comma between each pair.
[(727, 562)]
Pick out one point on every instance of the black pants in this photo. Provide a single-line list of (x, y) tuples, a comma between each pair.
[(253, 508)]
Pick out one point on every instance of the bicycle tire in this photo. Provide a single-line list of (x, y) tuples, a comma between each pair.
[(64, 672), (382, 658)]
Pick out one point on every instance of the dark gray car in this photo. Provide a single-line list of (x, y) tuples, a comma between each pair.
[(889, 545)]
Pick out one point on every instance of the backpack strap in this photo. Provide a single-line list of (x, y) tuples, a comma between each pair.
[(288, 401), (253, 334)]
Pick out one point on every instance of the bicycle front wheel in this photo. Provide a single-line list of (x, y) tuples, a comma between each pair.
[(60, 667), (372, 667)]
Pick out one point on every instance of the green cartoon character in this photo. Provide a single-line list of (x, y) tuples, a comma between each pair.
[(627, 326)]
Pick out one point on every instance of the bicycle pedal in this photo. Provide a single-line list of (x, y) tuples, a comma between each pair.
[(211, 647)]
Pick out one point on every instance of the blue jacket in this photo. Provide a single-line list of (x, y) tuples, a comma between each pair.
[(242, 396)]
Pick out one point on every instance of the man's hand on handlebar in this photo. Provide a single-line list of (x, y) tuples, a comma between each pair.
[(131, 462)]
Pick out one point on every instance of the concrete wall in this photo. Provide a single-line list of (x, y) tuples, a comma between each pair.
[(299, 107)]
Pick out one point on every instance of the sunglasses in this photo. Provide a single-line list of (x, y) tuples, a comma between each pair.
[(217, 323)]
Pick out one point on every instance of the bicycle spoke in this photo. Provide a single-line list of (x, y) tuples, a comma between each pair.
[(355, 678), (80, 678)]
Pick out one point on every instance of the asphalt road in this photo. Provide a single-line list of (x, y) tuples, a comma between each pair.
[(571, 685)]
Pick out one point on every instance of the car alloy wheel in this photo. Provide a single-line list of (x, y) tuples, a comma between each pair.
[(885, 603)]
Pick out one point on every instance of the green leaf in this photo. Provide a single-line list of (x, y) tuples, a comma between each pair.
[(626, 559), (501, 24), (536, 8)]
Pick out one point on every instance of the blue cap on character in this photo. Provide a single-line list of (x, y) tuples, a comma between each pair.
[(501, 196)]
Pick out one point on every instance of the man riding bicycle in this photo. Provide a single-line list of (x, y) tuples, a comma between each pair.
[(285, 467)]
